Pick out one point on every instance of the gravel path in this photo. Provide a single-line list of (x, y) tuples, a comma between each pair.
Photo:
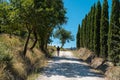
[(67, 67)]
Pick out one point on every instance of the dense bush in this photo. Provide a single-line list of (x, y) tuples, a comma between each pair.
[(5, 53), (5, 62), (113, 73), (13, 65)]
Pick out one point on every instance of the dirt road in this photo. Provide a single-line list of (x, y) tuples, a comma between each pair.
[(68, 67)]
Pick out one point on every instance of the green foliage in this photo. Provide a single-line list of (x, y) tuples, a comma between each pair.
[(13, 65), (113, 36), (81, 37), (5, 62), (92, 18), (87, 30), (33, 19), (97, 29), (63, 35), (84, 31), (97, 35), (55, 16), (5, 52), (104, 30), (37, 17)]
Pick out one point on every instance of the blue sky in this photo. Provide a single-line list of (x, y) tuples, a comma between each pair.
[(76, 11)]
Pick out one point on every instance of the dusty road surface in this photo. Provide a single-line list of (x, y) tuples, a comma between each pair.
[(67, 67)]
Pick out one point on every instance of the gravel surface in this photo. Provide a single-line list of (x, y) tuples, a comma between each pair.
[(67, 67)]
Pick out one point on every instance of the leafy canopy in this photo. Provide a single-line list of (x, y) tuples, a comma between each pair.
[(63, 35)]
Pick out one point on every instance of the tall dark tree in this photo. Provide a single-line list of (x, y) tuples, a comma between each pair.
[(92, 18), (104, 30), (78, 37), (81, 36), (88, 31), (84, 31), (114, 33), (97, 29)]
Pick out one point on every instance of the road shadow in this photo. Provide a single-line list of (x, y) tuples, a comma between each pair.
[(56, 58), (69, 69)]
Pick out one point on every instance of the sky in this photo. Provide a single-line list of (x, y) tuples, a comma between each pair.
[(76, 11)]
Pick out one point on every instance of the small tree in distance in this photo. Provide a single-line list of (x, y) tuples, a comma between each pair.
[(64, 36)]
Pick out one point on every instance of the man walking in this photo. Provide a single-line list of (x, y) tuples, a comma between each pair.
[(58, 50)]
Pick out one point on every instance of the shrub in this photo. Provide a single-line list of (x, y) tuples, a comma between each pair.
[(5, 74), (19, 70), (113, 73), (5, 62), (5, 54)]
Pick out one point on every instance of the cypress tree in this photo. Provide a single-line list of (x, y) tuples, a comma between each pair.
[(114, 33), (88, 30), (92, 17), (104, 30), (81, 36), (78, 37), (85, 32), (97, 29)]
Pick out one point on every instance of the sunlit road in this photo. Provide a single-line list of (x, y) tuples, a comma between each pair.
[(67, 67)]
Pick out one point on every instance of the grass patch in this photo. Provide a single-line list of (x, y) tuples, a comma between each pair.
[(51, 50), (75, 53), (113, 73), (13, 66), (33, 76)]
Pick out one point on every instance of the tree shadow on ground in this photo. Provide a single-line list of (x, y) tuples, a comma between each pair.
[(73, 69)]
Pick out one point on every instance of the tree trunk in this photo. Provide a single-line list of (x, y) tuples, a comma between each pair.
[(10, 35), (42, 47), (41, 44), (0, 30), (35, 35), (26, 44), (46, 41)]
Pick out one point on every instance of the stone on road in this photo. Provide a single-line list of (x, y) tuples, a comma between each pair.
[(68, 67)]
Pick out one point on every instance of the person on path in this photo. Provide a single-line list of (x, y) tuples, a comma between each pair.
[(58, 50)]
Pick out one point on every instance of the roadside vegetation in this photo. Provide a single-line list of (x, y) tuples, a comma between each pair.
[(64, 36), (98, 39), (25, 30), (13, 65), (99, 34), (107, 68)]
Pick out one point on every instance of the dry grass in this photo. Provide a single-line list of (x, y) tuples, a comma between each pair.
[(36, 57), (113, 73), (33, 76), (84, 53), (75, 53), (12, 42), (96, 71), (20, 66), (96, 62), (4, 74), (38, 61), (20, 69), (51, 50)]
